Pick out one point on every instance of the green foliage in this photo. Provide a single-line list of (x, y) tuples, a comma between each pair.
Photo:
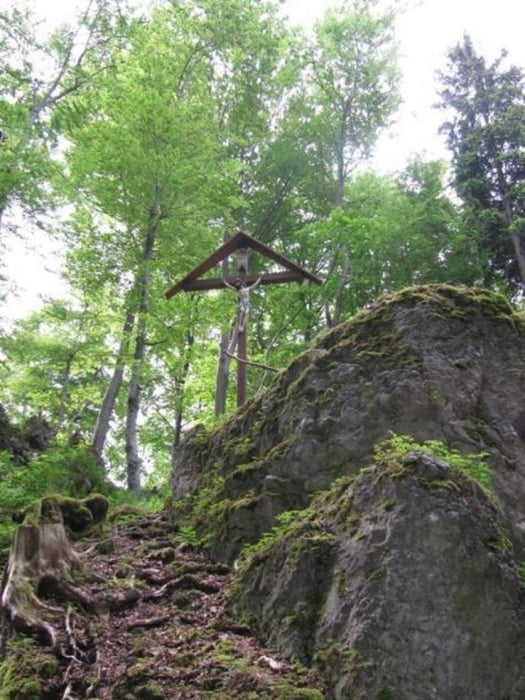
[(23, 667), (69, 470), (486, 135), (42, 75), (520, 568), (179, 129), (390, 454), (287, 522), (148, 501), (54, 359)]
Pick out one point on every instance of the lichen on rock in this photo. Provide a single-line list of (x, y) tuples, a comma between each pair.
[(399, 581), (433, 362)]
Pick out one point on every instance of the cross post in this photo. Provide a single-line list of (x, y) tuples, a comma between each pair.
[(242, 284)]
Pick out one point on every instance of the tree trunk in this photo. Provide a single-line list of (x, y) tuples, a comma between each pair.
[(181, 383), (518, 241), (227, 345), (66, 378), (40, 563), (108, 404), (344, 278), (134, 462), (516, 237)]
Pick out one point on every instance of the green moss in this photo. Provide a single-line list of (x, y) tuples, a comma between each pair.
[(98, 505), (500, 543), (286, 693), (446, 484), (388, 504), (125, 513), (520, 570), (79, 515), (340, 580), (288, 523), (374, 574), (105, 546), (390, 457), (55, 508), (24, 663)]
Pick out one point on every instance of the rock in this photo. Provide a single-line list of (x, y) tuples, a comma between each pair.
[(398, 583), (435, 363)]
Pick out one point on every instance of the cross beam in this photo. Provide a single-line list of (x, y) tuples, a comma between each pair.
[(242, 283), (219, 282), (241, 240)]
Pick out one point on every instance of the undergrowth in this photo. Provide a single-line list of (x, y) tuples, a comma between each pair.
[(391, 452)]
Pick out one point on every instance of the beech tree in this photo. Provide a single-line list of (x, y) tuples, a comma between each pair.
[(486, 135), (145, 161), (52, 364), (37, 80), (355, 85)]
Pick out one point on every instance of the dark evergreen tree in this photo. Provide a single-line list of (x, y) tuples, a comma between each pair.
[(486, 134)]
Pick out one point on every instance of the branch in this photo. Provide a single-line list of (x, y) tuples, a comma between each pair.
[(249, 362)]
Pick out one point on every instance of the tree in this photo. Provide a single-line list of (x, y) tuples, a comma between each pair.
[(396, 231), (38, 79), (486, 135), (53, 361), (146, 160), (250, 75), (354, 79), (355, 82)]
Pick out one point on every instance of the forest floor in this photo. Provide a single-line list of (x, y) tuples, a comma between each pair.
[(167, 633)]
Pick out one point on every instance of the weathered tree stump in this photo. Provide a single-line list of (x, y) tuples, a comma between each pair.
[(40, 566)]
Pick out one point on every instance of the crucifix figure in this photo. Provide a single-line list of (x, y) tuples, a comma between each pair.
[(242, 284), (243, 291)]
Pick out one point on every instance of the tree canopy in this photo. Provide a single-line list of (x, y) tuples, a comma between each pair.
[(148, 137)]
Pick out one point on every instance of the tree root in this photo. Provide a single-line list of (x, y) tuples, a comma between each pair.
[(148, 622), (184, 582), (39, 565)]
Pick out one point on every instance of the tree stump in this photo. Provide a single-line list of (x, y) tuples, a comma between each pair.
[(40, 566)]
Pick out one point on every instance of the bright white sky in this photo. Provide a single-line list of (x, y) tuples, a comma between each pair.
[(425, 31)]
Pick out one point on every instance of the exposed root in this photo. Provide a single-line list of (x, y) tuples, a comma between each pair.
[(184, 582), (148, 622), (39, 565), (98, 677)]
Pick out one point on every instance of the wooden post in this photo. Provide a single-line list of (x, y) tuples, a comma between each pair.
[(242, 243), (242, 327), (241, 365)]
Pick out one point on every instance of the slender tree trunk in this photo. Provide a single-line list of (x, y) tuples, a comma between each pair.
[(134, 462), (332, 318), (228, 344), (518, 242), (181, 383), (66, 378), (344, 278), (108, 404)]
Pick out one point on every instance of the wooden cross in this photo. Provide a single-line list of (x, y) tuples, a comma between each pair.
[(242, 284)]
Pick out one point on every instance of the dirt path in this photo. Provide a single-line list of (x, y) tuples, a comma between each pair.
[(162, 630)]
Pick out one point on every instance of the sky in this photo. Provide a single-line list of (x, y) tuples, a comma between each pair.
[(426, 30)]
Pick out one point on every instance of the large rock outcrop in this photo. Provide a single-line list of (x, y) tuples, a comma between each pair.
[(399, 583), (433, 362)]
